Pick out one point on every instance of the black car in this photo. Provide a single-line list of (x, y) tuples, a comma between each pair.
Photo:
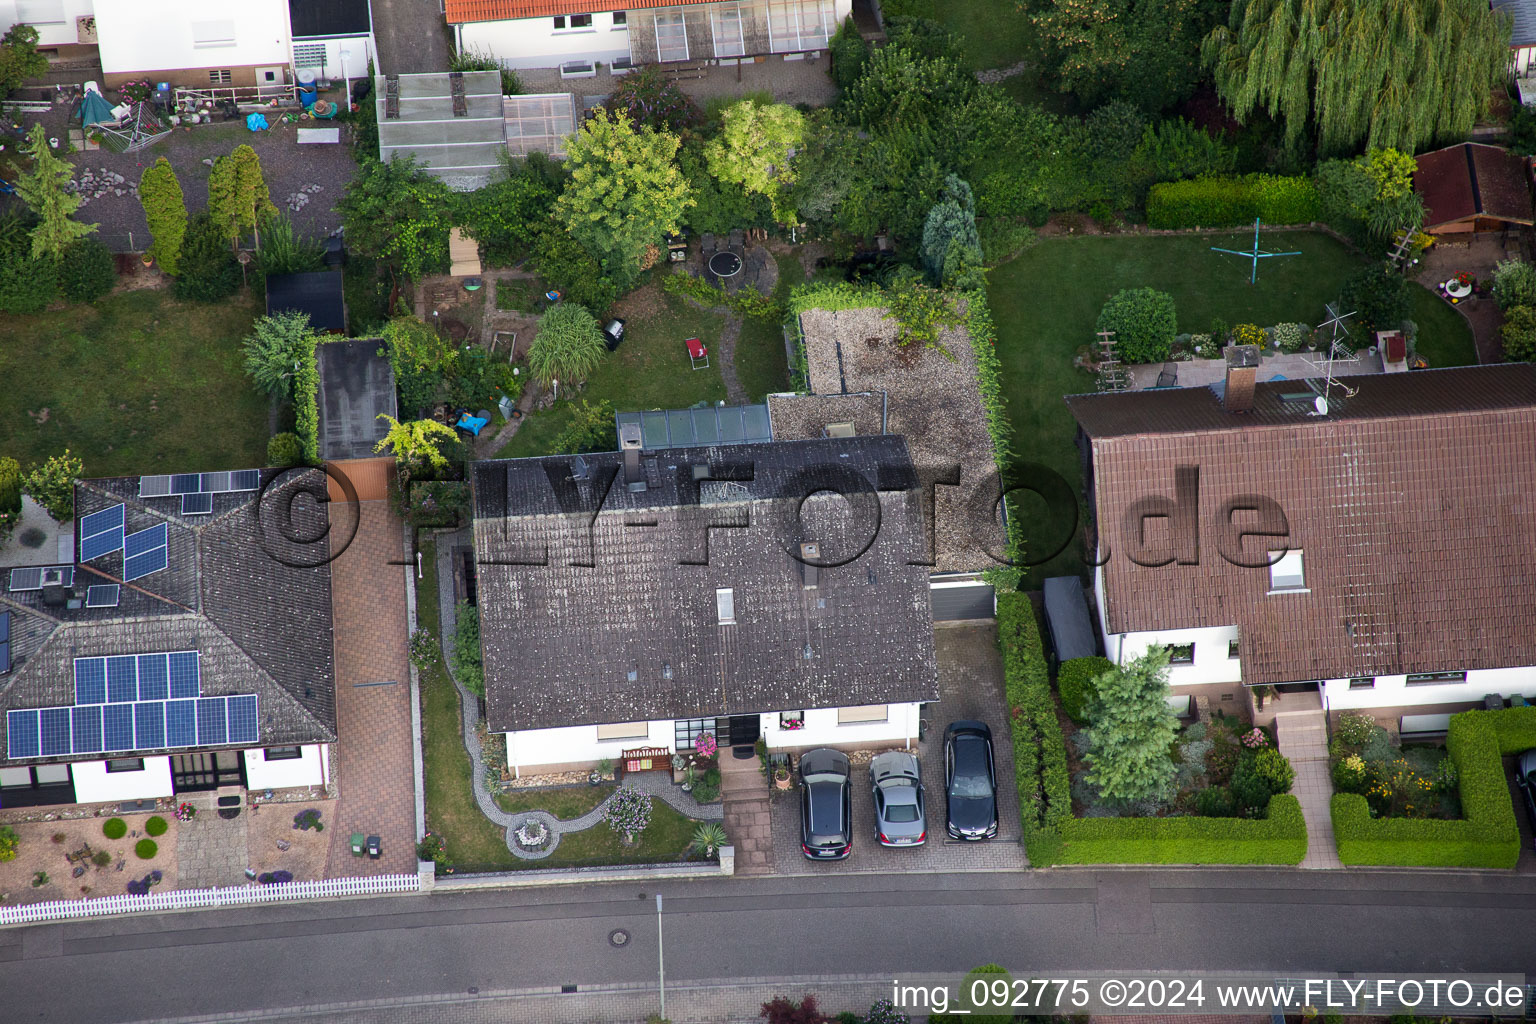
[(826, 810), (970, 781), (1525, 780)]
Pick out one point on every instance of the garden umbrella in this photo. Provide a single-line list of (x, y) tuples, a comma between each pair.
[(95, 110)]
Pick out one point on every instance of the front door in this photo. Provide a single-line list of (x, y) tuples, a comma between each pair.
[(207, 770), (739, 730)]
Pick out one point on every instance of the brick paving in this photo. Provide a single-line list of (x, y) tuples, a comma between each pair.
[(211, 850), (970, 687), (372, 760), (1303, 738), (748, 823)]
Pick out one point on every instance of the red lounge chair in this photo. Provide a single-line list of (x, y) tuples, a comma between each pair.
[(698, 355)]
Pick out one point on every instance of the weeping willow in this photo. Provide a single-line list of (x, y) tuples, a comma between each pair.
[(1392, 73)]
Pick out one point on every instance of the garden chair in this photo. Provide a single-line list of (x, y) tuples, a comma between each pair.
[(698, 355)]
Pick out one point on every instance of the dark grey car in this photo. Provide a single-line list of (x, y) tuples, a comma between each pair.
[(826, 809), (1525, 781), (970, 781), (896, 782)]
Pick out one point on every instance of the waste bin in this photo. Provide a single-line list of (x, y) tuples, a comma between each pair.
[(305, 78)]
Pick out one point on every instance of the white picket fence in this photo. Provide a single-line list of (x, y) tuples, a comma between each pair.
[(190, 899)]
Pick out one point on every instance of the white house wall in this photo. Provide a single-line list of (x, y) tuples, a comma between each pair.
[(1212, 665), (359, 48), (94, 784), (822, 729), (59, 30), (536, 43), (305, 770), (158, 35), (1393, 691), (578, 744)]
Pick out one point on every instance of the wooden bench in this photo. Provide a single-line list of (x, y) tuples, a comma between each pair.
[(646, 759)]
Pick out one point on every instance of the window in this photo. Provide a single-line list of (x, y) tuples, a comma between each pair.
[(671, 36), (1181, 654), (686, 730), (1429, 678), (219, 77), (725, 22), (581, 21), (1285, 573), (1362, 683), (791, 720), (858, 716), (124, 764), (308, 55), (559, 21), (209, 34), (620, 19), (624, 731), (725, 605), (799, 26), (282, 754), (1232, 649)]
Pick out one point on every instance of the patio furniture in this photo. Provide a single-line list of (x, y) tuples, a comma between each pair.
[(357, 844), (374, 849), (1456, 289), (473, 424), (698, 355)]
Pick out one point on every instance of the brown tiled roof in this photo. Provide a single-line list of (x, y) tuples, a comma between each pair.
[(1472, 180), (460, 11), (1412, 503)]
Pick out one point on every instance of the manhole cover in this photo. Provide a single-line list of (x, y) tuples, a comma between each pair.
[(618, 937)]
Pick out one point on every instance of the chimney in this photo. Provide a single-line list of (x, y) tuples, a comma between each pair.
[(810, 575), (1242, 374), (630, 443)]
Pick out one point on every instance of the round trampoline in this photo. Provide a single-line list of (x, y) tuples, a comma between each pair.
[(725, 264)]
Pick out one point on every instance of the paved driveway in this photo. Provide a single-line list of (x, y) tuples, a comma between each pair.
[(970, 686)]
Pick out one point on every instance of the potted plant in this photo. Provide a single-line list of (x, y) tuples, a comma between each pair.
[(602, 773), (679, 767), (781, 777), (689, 777)]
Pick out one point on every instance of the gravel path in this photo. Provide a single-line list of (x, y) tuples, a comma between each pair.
[(657, 785)]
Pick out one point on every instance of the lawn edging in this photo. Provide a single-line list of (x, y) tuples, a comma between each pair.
[(579, 875), (1487, 837), (1053, 836)]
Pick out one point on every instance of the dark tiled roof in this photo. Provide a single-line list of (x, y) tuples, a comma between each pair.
[(1472, 180), (356, 385), (1524, 13), (560, 640), (1411, 503), (315, 293), (315, 18), (254, 604)]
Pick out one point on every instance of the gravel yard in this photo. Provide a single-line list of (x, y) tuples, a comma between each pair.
[(305, 182)]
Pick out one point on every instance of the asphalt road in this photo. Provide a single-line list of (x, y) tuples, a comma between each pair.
[(158, 967)]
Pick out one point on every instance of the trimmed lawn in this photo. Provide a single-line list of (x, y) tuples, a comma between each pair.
[(996, 32), (564, 802), (474, 844), (137, 383), (650, 370), (662, 842), (762, 365), (1045, 304)]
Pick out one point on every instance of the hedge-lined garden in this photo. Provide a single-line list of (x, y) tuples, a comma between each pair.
[(1488, 836), (1212, 202), (1053, 836)]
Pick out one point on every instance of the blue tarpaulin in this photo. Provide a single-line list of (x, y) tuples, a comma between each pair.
[(257, 122), (473, 424)]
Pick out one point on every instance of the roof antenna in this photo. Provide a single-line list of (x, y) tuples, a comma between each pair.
[(1338, 351)]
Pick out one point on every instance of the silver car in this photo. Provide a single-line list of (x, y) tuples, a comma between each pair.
[(896, 780)]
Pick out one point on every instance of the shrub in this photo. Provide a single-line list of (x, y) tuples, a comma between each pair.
[(1350, 774), (1076, 682), (283, 251), (52, 485), (1216, 202), (466, 664), (145, 849), (1292, 337), (1379, 297), (1248, 334), (86, 272), (1278, 838), (1519, 334), (569, 344), (651, 98), (423, 648), (849, 52), (8, 843), (275, 351), (166, 211), (628, 812), (985, 991), (505, 217), (1040, 753), (1354, 729), (285, 449), (10, 496), (208, 271), (1144, 322), (1215, 802), (155, 826), (590, 429), (101, 858), (1275, 769), (114, 828), (1514, 283)]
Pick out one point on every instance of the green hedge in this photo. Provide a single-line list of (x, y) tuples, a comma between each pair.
[(1231, 202), (306, 406), (1039, 749), (1075, 679), (1487, 836), (1280, 838)]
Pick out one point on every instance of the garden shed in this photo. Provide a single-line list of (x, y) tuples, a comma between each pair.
[(1068, 619), (357, 385), (315, 293), (1472, 188)]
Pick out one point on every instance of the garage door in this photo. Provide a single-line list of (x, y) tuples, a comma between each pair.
[(960, 601)]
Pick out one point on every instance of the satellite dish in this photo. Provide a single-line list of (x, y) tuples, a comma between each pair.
[(1321, 405)]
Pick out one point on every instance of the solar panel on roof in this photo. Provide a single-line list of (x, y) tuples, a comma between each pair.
[(5, 625), (244, 480), (242, 719), (212, 720), (186, 483), (5, 657), (53, 727), (30, 578), (186, 681), (213, 483), (181, 723), (154, 486), (153, 678), (196, 504), (90, 680), (85, 729), (144, 540), (101, 533), (104, 595), (21, 734), (149, 725), (145, 552), (122, 679), (117, 727)]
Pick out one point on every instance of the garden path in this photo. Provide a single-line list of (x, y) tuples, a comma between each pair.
[(1303, 739), (1477, 256), (992, 75), (729, 333), (656, 784)]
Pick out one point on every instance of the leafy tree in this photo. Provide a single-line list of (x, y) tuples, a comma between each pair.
[(208, 268), (419, 356), (1371, 196), (590, 430), (625, 192), (569, 344), (252, 200), (719, 206), (824, 170), (571, 269), (1132, 728), (951, 221), (415, 441), (223, 199), (51, 484), (399, 213), (1379, 298), (166, 210), (848, 50), (1144, 51), (1397, 73), (87, 271), (10, 496), (753, 151), (27, 283), (275, 350), (1144, 321), (19, 59), (43, 190), (284, 251), (653, 100), (1514, 283), (505, 217), (285, 449), (1519, 333)]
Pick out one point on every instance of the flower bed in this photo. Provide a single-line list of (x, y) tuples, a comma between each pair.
[(1417, 781)]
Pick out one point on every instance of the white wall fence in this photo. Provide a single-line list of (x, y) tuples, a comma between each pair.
[(193, 899)]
